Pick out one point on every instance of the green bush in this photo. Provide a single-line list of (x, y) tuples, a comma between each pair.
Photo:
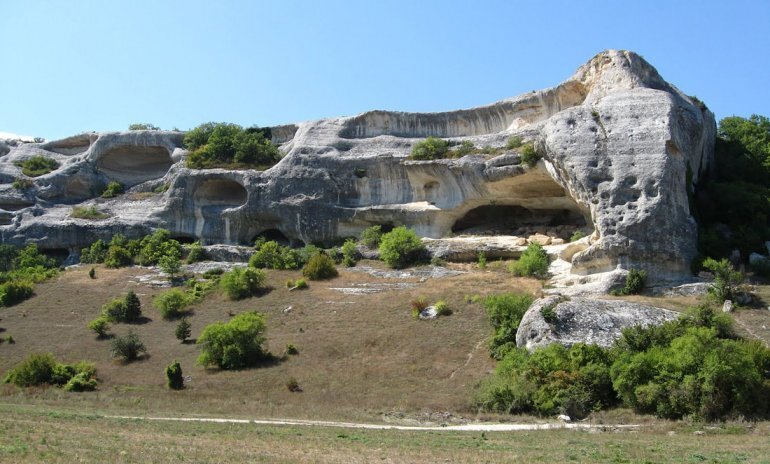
[(182, 331), (170, 263), (482, 260), (230, 146), (349, 253), (529, 155), (143, 126), (726, 279), (505, 311), (118, 256), (172, 303), (291, 349), (401, 247), (549, 313), (242, 283), (94, 254), (92, 273), (112, 190), (635, 282), (430, 149), (128, 348), (442, 308), (14, 292), (88, 212), (37, 165), (80, 382), (22, 183), (271, 255), (36, 369), (514, 142), (174, 377), (31, 257), (235, 344), (126, 309), (320, 267), (532, 263), (196, 253), (100, 326), (466, 147), (157, 245), (371, 236), (577, 235)]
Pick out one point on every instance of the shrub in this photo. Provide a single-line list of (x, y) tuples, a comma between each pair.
[(88, 212), (401, 247), (196, 253), (118, 256), (418, 306), (143, 126), (514, 142), (320, 267), (271, 255), (213, 273), (532, 263), (242, 283), (299, 284), (430, 149), (22, 183), (577, 235), (234, 344), (170, 263), (549, 313), (92, 273), (8, 256), (126, 309), (112, 190), (230, 146), (291, 349), (371, 236), (174, 377), (726, 279), (36, 369), (128, 348), (349, 253), (14, 292), (80, 382), (442, 308), (482, 260), (293, 385), (153, 247), (171, 304), (100, 326), (31, 257), (466, 147), (635, 281), (505, 311), (182, 331), (529, 155), (37, 165)]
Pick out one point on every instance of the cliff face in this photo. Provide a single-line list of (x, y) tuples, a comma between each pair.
[(619, 145)]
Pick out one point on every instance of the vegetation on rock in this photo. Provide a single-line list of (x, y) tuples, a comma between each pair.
[(37, 165), (223, 145)]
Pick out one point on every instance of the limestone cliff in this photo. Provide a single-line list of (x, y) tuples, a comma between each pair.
[(619, 146)]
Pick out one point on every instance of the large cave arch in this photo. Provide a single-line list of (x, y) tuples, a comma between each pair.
[(515, 219), (224, 193), (131, 165)]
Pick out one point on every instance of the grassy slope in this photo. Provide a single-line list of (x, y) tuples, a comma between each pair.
[(31, 435)]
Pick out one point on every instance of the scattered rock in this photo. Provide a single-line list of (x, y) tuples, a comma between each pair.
[(727, 306), (539, 239)]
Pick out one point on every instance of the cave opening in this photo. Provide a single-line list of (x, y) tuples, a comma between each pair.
[(58, 254), (519, 220), (133, 165), (274, 235), (184, 239), (221, 192)]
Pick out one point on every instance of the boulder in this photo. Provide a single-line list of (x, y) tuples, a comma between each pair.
[(584, 320)]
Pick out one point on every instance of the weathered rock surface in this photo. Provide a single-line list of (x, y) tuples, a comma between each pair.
[(584, 320), (618, 143)]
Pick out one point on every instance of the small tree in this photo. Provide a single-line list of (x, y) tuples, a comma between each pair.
[(100, 326), (170, 264), (234, 344), (112, 190), (92, 273), (320, 267), (171, 304), (133, 307), (372, 236), (196, 253), (128, 348), (182, 331), (400, 247), (242, 283), (349, 253), (532, 263), (430, 149), (175, 380), (726, 279)]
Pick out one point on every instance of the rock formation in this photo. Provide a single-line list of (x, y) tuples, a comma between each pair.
[(620, 148), (584, 320)]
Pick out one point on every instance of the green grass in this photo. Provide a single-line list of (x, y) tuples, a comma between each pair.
[(88, 212), (37, 165)]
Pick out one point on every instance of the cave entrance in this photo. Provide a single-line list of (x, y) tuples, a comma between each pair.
[(274, 235), (58, 254), (519, 220), (131, 165), (184, 239), (221, 192)]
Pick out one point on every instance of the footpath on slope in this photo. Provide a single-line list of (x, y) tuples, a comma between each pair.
[(477, 427)]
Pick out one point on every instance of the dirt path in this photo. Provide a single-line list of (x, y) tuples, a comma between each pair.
[(478, 427)]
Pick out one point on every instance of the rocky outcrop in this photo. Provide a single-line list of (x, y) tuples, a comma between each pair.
[(584, 320), (619, 146)]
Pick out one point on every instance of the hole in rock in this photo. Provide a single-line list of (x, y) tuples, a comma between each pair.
[(58, 254), (184, 239), (133, 165), (221, 192), (272, 235), (518, 220), (13, 204)]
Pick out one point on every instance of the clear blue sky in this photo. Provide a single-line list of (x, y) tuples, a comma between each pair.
[(73, 66)]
